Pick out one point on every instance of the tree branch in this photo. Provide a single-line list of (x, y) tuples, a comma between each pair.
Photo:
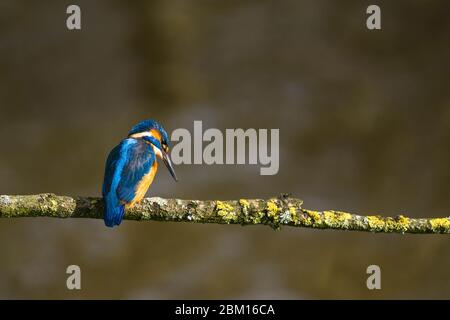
[(274, 212)]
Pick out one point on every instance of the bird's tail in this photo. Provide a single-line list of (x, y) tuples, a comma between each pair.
[(114, 212)]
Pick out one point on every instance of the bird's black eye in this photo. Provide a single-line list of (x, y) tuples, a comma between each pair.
[(165, 147)]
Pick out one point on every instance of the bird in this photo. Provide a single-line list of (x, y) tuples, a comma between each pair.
[(130, 168)]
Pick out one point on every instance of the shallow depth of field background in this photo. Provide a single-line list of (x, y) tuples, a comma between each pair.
[(364, 122)]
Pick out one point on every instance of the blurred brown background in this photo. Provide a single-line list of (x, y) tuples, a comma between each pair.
[(364, 120)]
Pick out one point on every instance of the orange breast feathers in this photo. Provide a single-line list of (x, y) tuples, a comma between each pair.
[(143, 185)]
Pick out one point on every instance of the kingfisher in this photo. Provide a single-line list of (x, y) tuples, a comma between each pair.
[(131, 167)]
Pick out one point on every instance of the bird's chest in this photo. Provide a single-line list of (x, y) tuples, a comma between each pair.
[(144, 184)]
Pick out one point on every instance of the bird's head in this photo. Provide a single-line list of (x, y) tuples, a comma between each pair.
[(154, 134)]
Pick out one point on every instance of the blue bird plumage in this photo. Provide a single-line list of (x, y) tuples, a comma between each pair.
[(147, 125), (131, 167)]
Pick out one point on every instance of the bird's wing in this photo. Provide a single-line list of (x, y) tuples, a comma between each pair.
[(138, 162), (111, 167)]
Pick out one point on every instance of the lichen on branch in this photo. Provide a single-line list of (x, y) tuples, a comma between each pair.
[(275, 212)]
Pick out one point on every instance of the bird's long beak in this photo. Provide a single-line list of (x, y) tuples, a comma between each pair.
[(169, 165)]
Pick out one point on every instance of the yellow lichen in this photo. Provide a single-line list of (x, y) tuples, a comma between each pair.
[(375, 223), (293, 214), (402, 223), (337, 219), (257, 216), (272, 210), (226, 211), (245, 205), (390, 224), (315, 216), (440, 224), (307, 221), (344, 216), (330, 217), (399, 224)]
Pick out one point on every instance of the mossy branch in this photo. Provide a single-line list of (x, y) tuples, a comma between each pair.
[(275, 212)]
